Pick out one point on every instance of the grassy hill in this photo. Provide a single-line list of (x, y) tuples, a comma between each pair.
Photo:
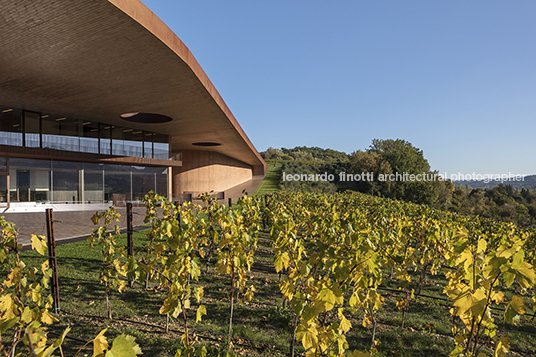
[(270, 183)]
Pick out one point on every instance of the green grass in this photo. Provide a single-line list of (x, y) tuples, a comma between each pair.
[(266, 318), (83, 306), (270, 183)]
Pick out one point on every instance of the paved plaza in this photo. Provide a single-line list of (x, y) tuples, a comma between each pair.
[(73, 222), (69, 226)]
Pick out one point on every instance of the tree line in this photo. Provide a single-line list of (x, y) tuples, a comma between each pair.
[(386, 158)]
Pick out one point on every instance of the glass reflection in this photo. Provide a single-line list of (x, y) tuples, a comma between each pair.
[(30, 180), (32, 129), (117, 181), (33, 180), (67, 182), (60, 133), (93, 183), (10, 126), (89, 141)]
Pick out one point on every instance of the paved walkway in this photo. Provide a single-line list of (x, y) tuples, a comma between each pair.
[(249, 186), (69, 226)]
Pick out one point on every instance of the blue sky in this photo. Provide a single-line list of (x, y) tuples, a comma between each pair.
[(455, 78)]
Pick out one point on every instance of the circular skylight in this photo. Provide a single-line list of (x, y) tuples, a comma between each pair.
[(206, 143), (149, 118)]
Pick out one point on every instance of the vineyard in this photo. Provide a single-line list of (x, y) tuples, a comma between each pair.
[(285, 274)]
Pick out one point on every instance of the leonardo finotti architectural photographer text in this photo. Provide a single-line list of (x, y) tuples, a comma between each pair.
[(369, 176)]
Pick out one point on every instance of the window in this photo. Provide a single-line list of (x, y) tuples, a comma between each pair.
[(36, 130), (60, 133), (161, 146), (32, 129), (10, 126), (89, 141)]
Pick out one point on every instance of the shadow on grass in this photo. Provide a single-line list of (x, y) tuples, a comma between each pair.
[(400, 342)]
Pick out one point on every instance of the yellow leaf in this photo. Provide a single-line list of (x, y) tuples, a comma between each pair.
[(285, 259), (308, 335), (39, 244), (44, 267), (502, 347), (525, 275), (124, 346), (287, 288), (169, 306), (515, 308), (50, 349), (498, 297), (46, 318), (100, 344), (345, 325), (26, 315), (201, 310), (7, 306), (466, 301), (327, 297), (482, 245), (467, 258), (198, 293)]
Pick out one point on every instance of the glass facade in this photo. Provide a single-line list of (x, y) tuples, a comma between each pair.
[(37, 130), (53, 181), (3, 181), (32, 129), (30, 180), (160, 146), (10, 126), (94, 182), (60, 133)]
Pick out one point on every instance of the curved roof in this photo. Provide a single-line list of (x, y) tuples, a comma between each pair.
[(95, 60)]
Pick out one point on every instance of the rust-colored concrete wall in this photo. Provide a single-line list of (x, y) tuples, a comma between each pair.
[(203, 171)]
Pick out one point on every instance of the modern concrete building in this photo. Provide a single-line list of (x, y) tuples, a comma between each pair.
[(101, 101)]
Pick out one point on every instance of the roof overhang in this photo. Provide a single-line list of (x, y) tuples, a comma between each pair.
[(95, 60)]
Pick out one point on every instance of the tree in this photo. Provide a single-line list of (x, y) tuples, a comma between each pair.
[(386, 157), (401, 155), (271, 154), (371, 162)]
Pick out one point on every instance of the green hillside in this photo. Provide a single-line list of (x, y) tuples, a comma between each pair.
[(270, 183)]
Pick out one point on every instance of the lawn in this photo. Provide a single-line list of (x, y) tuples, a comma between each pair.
[(270, 183)]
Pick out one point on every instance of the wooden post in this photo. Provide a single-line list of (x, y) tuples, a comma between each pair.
[(130, 241), (54, 286)]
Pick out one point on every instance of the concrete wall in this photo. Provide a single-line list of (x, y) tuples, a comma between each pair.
[(203, 171)]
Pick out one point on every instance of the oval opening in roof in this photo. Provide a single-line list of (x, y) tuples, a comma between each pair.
[(149, 118), (206, 143)]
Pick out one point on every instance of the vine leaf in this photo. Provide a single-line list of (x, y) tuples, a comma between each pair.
[(50, 349), (201, 310), (308, 335), (124, 346), (465, 300), (100, 344), (502, 348), (39, 244), (515, 308)]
